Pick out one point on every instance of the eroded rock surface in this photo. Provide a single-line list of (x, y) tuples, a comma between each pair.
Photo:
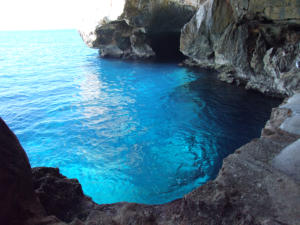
[(59, 195), (253, 187), (251, 42), (141, 27), (117, 39)]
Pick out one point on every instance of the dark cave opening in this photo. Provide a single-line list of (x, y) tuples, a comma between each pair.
[(166, 46)]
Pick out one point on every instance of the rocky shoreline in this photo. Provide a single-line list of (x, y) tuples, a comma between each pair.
[(252, 42), (249, 42), (258, 184)]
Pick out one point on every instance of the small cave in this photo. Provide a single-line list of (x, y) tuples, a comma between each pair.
[(166, 46)]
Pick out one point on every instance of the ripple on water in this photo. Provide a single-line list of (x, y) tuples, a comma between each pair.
[(137, 132)]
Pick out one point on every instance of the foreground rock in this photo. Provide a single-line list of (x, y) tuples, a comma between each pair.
[(60, 196), (18, 202), (251, 42), (253, 187)]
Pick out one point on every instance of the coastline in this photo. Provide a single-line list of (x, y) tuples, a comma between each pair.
[(251, 188)]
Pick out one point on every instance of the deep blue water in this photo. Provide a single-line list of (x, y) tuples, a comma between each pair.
[(129, 131)]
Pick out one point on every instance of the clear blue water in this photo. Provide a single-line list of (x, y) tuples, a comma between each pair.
[(129, 131)]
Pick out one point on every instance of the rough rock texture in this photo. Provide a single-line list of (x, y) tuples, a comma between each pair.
[(17, 202), (252, 188), (139, 28), (117, 39), (251, 42), (159, 15), (100, 14), (60, 196)]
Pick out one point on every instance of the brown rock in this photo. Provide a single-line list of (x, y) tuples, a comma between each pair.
[(18, 202)]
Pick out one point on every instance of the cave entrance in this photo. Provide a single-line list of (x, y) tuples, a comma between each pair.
[(166, 46)]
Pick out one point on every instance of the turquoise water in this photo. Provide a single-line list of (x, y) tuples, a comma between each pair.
[(129, 131)]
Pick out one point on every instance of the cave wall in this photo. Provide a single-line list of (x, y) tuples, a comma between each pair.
[(143, 25), (251, 42)]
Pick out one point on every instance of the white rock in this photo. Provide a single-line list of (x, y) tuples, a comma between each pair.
[(288, 161), (292, 124)]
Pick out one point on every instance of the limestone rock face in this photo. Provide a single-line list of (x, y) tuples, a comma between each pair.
[(159, 15), (133, 34), (117, 39), (100, 14), (254, 42)]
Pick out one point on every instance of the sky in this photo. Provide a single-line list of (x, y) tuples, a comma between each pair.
[(52, 14)]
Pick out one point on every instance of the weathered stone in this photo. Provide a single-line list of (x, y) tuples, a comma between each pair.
[(288, 160), (142, 27), (117, 39), (159, 15), (103, 13), (18, 202), (292, 123), (261, 45), (60, 196)]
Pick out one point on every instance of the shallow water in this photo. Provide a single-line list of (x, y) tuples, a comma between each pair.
[(129, 131)]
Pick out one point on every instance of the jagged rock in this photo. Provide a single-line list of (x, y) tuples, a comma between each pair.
[(60, 196), (143, 28), (119, 40), (158, 15), (259, 39), (103, 13)]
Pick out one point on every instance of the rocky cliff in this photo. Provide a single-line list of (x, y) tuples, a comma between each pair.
[(258, 185), (250, 42), (145, 29)]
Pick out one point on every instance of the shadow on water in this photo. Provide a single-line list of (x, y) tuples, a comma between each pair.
[(240, 114)]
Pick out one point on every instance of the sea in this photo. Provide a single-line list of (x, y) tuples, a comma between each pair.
[(146, 132)]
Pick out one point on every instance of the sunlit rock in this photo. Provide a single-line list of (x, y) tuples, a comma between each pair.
[(97, 15)]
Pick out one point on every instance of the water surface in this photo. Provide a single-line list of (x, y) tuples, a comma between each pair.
[(129, 131)]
